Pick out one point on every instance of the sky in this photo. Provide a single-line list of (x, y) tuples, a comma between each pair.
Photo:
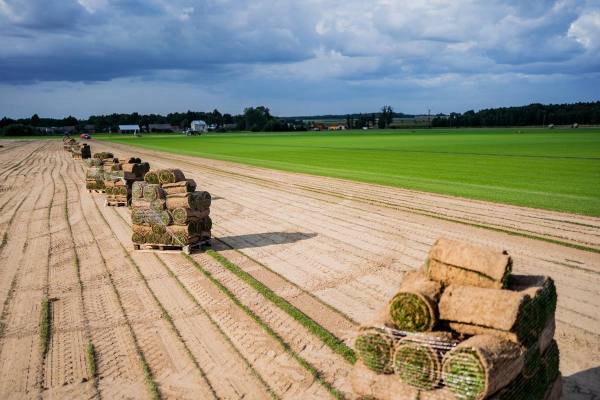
[(297, 57)]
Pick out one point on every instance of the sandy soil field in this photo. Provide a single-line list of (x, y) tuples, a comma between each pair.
[(334, 249)]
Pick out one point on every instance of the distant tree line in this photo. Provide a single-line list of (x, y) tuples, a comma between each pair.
[(256, 119), (259, 119), (531, 115)]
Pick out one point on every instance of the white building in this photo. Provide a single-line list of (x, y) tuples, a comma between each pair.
[(135, 129), (199, 126)]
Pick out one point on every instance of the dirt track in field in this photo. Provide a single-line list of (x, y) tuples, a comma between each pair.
[(335, 249)]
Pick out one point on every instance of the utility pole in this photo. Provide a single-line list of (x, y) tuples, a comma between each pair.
[(429, 117)]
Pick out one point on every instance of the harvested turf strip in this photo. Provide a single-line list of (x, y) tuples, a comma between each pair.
[(455, 262), (170, 175), (414, 307), (375, 348), (417, 359), (482, 365), (152, 177)]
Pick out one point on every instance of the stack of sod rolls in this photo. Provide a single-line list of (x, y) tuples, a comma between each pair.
[(167, 210), (117, 191), (125, 174), (94, 178), (462, 327), (103, 155), (68, 142), (83, 152)]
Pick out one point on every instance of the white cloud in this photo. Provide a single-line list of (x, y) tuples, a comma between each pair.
[(586, 30)]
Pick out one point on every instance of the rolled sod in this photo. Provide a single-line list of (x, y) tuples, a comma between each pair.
[(158, 205), (183, 216), (417, 359), (153, 192), (166, 238), (367, 384), (481, 365), (414, 307), (375, 347), (538, 386), (455, 262), (186, 186), (471, 330), (137, 238), (554, 392), (103, 155), (160, 229), (138, 216), (154, 217), (141, 229), (170, 175), (137, 189), (523, 309), (139, 203), (193, 200), (152, 177)]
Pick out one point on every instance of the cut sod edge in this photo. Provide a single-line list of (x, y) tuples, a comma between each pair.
[(329, 339), (330, 307)]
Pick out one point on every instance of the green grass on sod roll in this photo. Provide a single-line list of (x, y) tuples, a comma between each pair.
[(417, 365), (410, 313), (375, 350), (464, 374), (532, 167)]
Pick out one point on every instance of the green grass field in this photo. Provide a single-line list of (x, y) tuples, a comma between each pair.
[(558, 169)]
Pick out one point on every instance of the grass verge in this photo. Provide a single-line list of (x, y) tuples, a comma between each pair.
[(334, 343), (45, 326), (90, 352), (305, 364)]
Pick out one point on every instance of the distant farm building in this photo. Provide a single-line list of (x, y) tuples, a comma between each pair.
[(161, 128), (89, 128), (135, 129), (199, 126), (336, 127)]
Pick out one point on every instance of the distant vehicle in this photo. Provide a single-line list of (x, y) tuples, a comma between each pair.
[(365, 128), (85, 136)]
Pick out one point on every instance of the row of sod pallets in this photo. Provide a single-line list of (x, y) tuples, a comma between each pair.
[(167, 211)]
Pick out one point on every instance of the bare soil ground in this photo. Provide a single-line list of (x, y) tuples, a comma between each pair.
[(185, 327)]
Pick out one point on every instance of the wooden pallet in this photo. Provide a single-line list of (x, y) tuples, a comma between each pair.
[(96, 191), (172, 248), (115, 203)]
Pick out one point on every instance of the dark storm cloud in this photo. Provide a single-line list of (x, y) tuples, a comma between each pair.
[(259, 48)]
